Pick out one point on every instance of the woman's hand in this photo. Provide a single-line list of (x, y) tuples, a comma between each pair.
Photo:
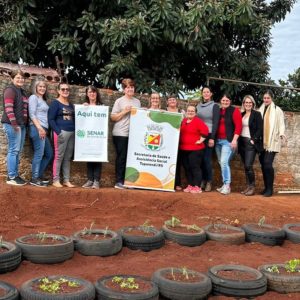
[(42, 132), (233, 145)]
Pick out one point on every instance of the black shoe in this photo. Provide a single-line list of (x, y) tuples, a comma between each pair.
[(16, 181), (263, 192), (38, 182), (268, 194)]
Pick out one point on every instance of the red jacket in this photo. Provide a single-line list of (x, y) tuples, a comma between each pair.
[(192, 132)]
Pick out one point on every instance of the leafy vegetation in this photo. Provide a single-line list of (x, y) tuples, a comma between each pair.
[(54, 286), (126, 283), (168, 45)]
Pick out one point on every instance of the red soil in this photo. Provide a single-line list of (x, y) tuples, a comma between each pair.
[(29, 209)]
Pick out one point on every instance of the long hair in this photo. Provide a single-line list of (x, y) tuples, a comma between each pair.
[(94, 89), (37, 80), (252, 100)]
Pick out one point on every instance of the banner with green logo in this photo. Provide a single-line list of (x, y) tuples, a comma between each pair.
[(91, 131), (152, 149)]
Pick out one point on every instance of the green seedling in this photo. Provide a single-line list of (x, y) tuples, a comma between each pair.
[(126, 283), (106, 231), (273, 269), (88, 231), (147, 226), (172, 273), (185, 272), (173, 222), (42, 236), (1, 241), (261, 221), (293, 265), (193, 227), (54, 286)]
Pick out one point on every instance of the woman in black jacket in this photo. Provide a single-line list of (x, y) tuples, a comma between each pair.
[(250, 141)]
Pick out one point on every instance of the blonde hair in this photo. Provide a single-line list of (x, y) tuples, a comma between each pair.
[(252, 100), (149, 102)]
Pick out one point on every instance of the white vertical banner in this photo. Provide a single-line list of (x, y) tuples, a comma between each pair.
[(91, 132), (152, 149)]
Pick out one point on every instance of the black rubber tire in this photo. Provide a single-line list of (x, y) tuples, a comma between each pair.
[(105, 293), (29, 293), (281, 283), (10, 259), (145, 243), (185, 239), (98, 247), (47, 254), (178, 290), (292, 235), (236, 238), (237, 288), (11, 292), (272, 238)]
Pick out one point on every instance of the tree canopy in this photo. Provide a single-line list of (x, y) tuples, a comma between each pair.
[(166, 45)]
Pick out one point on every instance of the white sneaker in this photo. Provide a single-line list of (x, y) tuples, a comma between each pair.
[(226, 189), (220, 188)]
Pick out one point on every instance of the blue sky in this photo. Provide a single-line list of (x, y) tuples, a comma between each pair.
[(285, 51)]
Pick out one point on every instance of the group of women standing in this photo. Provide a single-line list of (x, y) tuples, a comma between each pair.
[(205, 127), (35, 111)]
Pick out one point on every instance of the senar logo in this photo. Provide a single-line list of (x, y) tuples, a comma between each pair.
[(80, 133)]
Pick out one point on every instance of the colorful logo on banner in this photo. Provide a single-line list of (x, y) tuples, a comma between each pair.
[(81, 133), (153, 141)]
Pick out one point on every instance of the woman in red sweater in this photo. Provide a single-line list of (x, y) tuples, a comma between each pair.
[(193, 132)]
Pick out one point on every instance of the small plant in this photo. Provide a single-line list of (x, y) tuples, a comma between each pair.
[(193, 227), (42, 236), (273, 269), (261, 221), (88, 231), (1, 241), (172, 273), (147, 226), (105, 231), (173, 222), (185, 272), (55, 286), (126, 283), (293, 265)]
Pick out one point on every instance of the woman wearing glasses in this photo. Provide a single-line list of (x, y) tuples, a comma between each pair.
[(62, 123), (250, 141)]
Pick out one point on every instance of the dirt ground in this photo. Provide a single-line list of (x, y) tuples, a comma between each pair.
[(28, 209)]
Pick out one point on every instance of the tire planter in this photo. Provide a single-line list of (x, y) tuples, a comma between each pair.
[(30, 290), (46, 253), (265, 234), (291, 234), (281, 283), (10, 292), (104, 292), (10, 259), (182, 290), (234, 236), (253, 286), (98, 247), (191, 239), (140, 242)]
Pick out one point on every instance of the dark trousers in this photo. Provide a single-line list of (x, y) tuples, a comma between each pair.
[(207, 170), (266, 161), (178, 170), (191, 161), (121, 145), (94, 171), (248, 153)]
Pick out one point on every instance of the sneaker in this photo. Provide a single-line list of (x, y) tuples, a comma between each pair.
[(95, 184), (37, 182), (16, 181), (88, 184), (208, 187), (226, 189), (203, 184), (220, 188), (178, 188), (45, 180), (57, 184), (188, 189), (196, 190), (119, 186)]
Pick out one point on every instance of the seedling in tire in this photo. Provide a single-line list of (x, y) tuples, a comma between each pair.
[(273, 269), (106, 231), (1, 241), (173, 222), (42, 236), (261, 221), (126, 283), (185, 273), (87, 231), (293, 265), (147, 226), (55, 286)]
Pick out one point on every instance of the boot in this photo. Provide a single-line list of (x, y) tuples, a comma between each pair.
[(265, 183), (269, 185), (245, 190), (251, 191), (208, 187)]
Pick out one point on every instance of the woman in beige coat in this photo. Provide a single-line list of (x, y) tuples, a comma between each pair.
[(273, 133)]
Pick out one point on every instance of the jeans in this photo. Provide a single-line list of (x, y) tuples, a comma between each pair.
[(191, 161), (121, 145), (266, 159), (94, 171), (42, 153), (248, 153), (15, 140), (207, 169), (224, 153)]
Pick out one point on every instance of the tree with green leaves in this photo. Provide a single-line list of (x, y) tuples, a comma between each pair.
[(165, 45)]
